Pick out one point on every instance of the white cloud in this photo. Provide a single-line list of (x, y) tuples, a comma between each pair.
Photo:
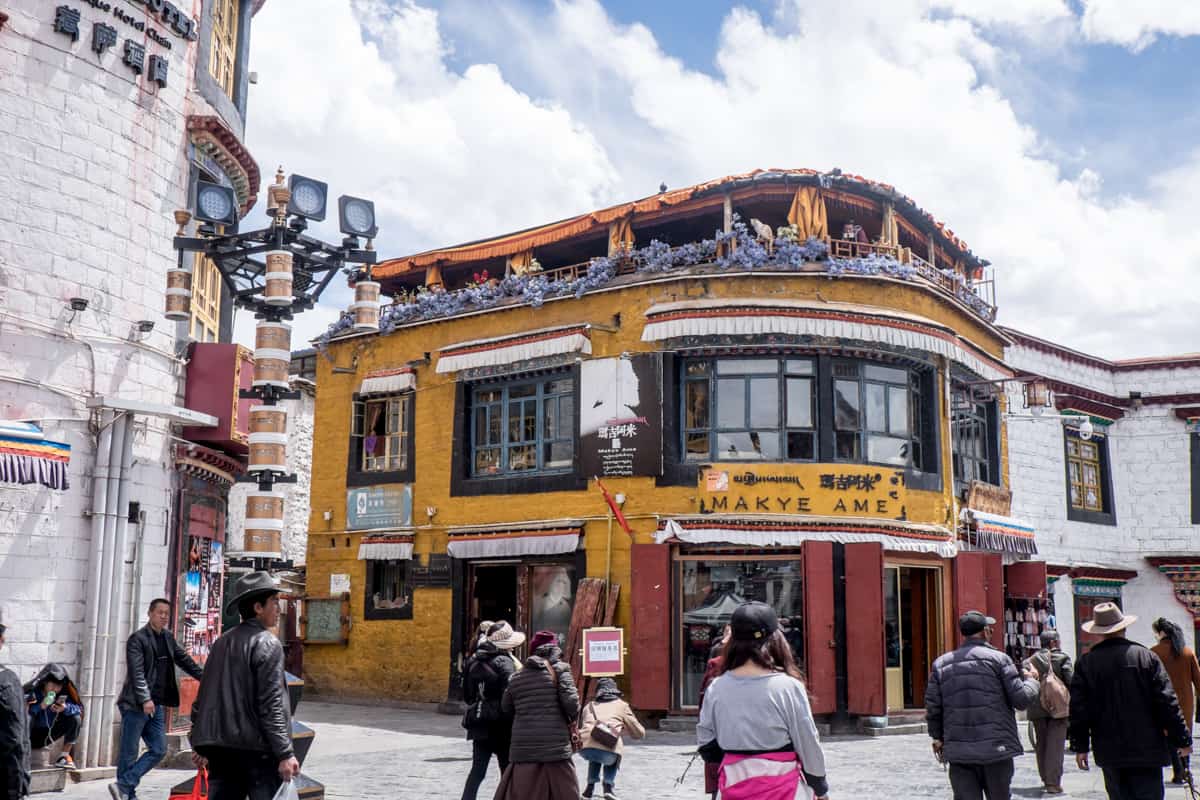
[(1007, 12), (898, 92), (1136, 24)]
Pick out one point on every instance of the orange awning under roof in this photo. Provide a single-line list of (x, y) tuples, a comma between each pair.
[(597, 221)]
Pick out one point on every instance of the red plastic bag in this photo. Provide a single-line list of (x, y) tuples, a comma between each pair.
[(199, 788)]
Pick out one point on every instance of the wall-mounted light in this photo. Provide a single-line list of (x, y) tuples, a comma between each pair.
[(1037, 396)]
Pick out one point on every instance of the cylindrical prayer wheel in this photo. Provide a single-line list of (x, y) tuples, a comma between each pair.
[(278, 291), (366, 306), (263, 543), (268, 419), (268, 451), (179, 294), (264, 510), (273, 336), (271, 367)]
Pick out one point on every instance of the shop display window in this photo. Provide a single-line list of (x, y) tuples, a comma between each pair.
[(389, 590)]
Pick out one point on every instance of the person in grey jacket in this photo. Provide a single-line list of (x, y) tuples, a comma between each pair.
[(969, 706), (241, 721), (1051, 741)]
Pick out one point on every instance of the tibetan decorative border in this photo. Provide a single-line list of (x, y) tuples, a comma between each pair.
[(388, 381), (385, 547), (207, 464), (518, 347), (210, 135)]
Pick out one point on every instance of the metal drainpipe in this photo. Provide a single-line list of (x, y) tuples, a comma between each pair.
[(87, 665), (135, 586), (115, 637), (96, 756)]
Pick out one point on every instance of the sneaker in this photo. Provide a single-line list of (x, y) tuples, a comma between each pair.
[(65, 761), (1053, 790), (610, 794), (591, 787), (117, 793)]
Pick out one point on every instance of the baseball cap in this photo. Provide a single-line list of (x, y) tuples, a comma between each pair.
[(973, 622), (753, 621)]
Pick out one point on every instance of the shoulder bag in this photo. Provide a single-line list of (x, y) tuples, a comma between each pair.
[(572, 725), (605, 734)]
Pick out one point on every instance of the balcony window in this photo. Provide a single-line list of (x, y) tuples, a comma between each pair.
[(973, 432), (525, 427), (381, 442)]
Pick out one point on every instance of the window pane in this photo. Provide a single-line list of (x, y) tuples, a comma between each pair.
[(746, 366), (845, 405), (898, 410), (876, 410), (801, 446), (557, 455), (566, 417), (845, 369), (848, 446), (697, 368), (875, 372), (487, 396), (525, 390), (731, 403), (522, 458), (695, 404), (799, 366), (1072, 447), (887, 450), (799, 403), (1073, 471), (487, 461), (550, 419), (764, 402), (748, 445), (561, 386), (481, 426), (697, 445)]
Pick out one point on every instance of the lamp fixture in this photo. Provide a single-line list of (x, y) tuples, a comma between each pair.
[(1037, 396), (356, 217), (78, 304), (308, 197), (215, 203)]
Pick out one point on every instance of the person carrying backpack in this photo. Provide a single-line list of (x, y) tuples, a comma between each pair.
[(1049, 714), (484, 680)]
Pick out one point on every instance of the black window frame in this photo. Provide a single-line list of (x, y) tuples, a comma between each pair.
[(355, 474), (1108, 502), (375, 572), (1194, 438), (540, 400), (984, 412)]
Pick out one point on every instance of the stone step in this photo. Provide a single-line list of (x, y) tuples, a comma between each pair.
[(48, 779), (902, 729), (678, 723)]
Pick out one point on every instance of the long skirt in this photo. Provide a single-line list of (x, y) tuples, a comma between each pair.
[(553, 780), (765, 776)]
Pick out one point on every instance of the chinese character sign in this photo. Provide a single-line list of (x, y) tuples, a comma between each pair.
[(620, 416), (377, 507), (603, 652)]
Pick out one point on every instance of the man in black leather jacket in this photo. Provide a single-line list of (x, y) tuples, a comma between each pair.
[(241, 723), (151, 655)]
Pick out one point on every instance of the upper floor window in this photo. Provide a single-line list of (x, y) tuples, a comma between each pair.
[(806, 409), (973, 431), (205, 324), (523, 427), (1089, 480), (382, 426), (222, 59)]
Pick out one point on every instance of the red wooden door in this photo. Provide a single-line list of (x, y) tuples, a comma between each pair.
[(1026, 579), (650, 642), (864, 629), (819, 644), (979, 586)]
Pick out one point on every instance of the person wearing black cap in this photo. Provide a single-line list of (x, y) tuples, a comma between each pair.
[(14, 735), (241, 722), (756, 719), (969, 710)]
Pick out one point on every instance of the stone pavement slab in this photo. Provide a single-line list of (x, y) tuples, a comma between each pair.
[(377, 753)]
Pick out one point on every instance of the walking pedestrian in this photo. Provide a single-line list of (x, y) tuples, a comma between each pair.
[(1049, 712), (602, 724), (485, 678), (1180, 661), (1123, 707), (970, 701), (241, 720), (14, 735), (55, 711), (151, 655), (712, 770), (544, 703), (756, 720)]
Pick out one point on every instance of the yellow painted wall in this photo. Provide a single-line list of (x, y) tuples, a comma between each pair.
[(409, 659)]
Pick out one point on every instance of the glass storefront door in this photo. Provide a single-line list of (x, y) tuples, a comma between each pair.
[(911, 632), (710, 587)]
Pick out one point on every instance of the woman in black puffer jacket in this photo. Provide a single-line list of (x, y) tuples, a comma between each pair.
[(484, 681), (543, 701)]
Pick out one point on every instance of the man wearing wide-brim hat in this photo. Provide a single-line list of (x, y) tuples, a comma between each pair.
[(241, 722), (1124, 708)]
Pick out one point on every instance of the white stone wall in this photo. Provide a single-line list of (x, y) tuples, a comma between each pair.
[(1151, 474), (301, 414), (92, 162)]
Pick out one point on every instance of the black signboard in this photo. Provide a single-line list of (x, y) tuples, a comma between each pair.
[(620, 416), (434, 575)]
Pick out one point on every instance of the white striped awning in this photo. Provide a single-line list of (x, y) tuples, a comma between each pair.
[(385, 547), (388, 381), (996, 532), (759, 316), (529, 539), (791, 531), (519, 347)]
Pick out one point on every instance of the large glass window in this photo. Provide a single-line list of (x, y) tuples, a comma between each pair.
[(972, 429), (222, 58), (1084, 474), (874, 410), (206, 301), (383, 426), (712, 587), (524, 427)]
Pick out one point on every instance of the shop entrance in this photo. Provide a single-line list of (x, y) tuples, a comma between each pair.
[(912, 602), (530, 596)]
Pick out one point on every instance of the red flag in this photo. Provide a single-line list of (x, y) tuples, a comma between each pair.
[(612, 503)]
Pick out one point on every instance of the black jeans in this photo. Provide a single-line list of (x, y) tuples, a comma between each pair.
[(974, 781), (1133, 783), (482, 751), (239, 774), (65, 727)]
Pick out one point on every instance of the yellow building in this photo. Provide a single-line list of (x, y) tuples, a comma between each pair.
[(788, 382)]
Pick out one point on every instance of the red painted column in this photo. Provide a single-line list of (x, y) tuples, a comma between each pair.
[(866, 693), (650, 666), (819, 641)]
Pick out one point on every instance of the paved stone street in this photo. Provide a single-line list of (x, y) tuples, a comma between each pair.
[(393, 754)]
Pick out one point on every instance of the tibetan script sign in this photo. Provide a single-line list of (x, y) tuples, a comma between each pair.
[(989, 499), (828, 490), (620, 416)]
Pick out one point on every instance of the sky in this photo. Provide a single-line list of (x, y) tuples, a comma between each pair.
[(1059, 138)]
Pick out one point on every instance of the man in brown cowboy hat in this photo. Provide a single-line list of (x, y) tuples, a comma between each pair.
[(241, 722), (1123, 706)]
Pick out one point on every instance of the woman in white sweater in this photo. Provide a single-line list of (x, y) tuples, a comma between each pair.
[(756, 719)]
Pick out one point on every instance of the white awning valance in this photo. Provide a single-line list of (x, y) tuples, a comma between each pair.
[(793, 532), (758, 316), (520, 347), (996, 532), (514, 540), (388, 381), (385, 547)]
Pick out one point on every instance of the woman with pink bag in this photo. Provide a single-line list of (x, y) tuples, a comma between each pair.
[(756, 720)]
